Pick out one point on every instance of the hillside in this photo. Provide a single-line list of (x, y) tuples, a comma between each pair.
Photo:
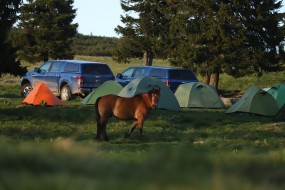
[(94, 45)]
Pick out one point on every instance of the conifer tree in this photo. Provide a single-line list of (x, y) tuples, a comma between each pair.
[(9, 62), (47, 30), (235, 37), (144, 32)]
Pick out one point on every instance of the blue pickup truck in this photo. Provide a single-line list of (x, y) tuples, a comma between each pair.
[(67, 78), (172, 77)]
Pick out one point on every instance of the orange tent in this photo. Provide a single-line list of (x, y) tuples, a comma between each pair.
[(42, 94)]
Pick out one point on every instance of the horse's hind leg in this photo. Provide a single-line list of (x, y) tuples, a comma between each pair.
[(99, 129), (103, 133), (134, 125)]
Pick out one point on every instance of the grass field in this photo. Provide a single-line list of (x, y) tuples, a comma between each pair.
[(54, 147)]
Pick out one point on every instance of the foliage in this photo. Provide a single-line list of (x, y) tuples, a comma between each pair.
[(86, 45), (94, 45), (142, 34), (235, 37), (46, 30), (8, 59), (125, 51)]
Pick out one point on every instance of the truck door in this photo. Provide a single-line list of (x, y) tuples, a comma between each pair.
[(40, 74), (52, 77)]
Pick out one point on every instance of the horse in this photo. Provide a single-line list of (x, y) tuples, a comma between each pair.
[(137, 108)]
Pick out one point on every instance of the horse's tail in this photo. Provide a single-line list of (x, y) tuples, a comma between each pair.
[(98, 116), (96, 108)]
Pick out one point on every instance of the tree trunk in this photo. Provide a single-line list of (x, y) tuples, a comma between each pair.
[(147, 58), (207, 79), (215, 79), (45, 56)]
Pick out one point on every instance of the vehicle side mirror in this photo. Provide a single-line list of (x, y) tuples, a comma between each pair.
[(36, 69), (119, 75)]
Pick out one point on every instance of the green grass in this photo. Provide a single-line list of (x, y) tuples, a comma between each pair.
[(54, 147)]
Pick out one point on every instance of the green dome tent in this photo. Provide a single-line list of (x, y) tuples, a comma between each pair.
[(144, 84), (198, 95), (278, 93), (108, 87), (256, 101)]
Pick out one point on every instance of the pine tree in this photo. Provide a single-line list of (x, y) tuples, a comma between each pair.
[(143, 33), (8, 59), (47, 30), (235, 37)]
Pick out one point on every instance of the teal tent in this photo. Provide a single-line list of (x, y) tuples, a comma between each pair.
[(144, 84), (278, 93), (108, 87), (256, 101), (198, 95)]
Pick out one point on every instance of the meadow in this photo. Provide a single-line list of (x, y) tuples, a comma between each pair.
[(54, 147)]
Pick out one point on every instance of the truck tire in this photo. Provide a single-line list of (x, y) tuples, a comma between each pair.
[(26, 89), (65, 93)]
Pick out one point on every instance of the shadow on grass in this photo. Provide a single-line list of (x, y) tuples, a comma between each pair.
[(79, 122), (37, 122), (9, 96), (208, 127), (160, 166), (192, 148), (230, 94), (47, 114)]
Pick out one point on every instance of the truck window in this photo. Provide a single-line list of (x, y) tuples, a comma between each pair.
[(95, 69), (182, 75), (71, 67), (128, 73), (56, 66), (45, 67), (157, 73), (139, 72)]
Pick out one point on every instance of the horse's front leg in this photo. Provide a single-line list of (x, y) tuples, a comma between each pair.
[(104, 135), (99, 129), (140, 124), (134, 125)]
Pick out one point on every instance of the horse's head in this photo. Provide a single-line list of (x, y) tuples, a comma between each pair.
[(155, 94)]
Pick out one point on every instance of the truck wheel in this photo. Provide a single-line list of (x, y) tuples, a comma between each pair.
[(26, 89), (65, 93)]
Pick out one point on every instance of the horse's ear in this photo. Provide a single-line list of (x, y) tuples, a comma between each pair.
[(156, 89)]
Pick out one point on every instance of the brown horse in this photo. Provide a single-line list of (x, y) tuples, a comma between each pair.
[(137, 107)]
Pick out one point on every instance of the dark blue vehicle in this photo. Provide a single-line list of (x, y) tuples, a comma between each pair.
[(172, 77), (67, 78)]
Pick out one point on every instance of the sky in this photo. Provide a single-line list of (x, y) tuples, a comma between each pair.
[(98, 17), (101, 17)]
